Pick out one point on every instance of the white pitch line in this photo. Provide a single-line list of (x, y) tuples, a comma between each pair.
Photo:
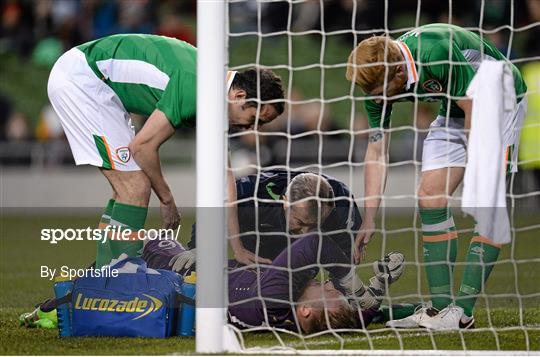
[(417, 333)]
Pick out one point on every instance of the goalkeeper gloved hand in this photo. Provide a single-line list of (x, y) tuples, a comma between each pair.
[(357, 293), (183, 261), (387, 271)]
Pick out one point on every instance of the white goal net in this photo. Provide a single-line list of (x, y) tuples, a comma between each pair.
[(326, 130)]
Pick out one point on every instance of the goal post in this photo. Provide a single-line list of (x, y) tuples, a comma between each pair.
[(211, 173)]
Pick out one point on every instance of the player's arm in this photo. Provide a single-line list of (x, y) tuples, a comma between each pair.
[(145, 150), (375, 173), (241, 254)]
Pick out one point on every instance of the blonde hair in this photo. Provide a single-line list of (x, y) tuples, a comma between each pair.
[(314, 187), (367, 63), (342, 318)]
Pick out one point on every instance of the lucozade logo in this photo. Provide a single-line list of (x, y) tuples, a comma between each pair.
[(135, 305)]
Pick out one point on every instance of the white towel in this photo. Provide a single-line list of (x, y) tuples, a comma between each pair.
[(484, 185), (128, 267)]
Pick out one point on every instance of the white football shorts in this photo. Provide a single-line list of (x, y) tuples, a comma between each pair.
[(95, 122), (446, 142)]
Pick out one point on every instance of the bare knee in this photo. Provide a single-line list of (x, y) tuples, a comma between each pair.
[(428, 197), (130, 187), (437, 185)]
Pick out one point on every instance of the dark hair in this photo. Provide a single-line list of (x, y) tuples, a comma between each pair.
[(270, 87), (314, 187)]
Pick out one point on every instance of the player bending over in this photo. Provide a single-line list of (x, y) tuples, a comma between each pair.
[(432, 62), (93, 88), (276, 202)]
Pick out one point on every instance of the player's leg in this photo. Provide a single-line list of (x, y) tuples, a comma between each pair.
[(444, 158), (483, 252), (98, 130), (130, 208), (439, 231), (443, 162), (481, 258), (103, 249)]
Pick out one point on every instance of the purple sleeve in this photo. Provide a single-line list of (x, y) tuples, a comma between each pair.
[(307, 255)]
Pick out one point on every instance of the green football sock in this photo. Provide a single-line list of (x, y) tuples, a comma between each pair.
[(103, 251), (132, 217), (440, 251), (480, 261)]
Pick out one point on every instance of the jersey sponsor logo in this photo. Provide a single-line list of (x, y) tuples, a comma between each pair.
[(479, 251), (270, 191), (123, 154), (143, 306), (432, 86)]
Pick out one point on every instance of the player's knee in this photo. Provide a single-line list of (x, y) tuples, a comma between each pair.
[(140, 186), (135, 188), (431, 198)]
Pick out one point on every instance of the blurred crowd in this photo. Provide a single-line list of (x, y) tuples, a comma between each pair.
[(37, 32), (44, 29)]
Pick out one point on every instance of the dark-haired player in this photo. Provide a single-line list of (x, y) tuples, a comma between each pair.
[(95, 86)]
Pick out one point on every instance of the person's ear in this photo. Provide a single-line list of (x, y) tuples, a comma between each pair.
[(304, 310), (286, 204), (238, 95)]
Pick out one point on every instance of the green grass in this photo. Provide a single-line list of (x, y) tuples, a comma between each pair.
[(22, 253)]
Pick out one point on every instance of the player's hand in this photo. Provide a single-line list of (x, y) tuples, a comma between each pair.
[(244, 256), (183, 260), (367, 229), (170, 215)]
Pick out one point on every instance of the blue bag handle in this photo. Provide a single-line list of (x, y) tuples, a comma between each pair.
[(141, 264)]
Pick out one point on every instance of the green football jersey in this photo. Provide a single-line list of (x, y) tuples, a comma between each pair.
[(441, 61), (148, 72)]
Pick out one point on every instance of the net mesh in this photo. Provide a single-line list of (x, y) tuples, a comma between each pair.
[(325, 130)]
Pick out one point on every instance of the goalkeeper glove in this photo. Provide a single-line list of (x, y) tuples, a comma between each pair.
[(387, 271), (183, 261), (358, 294)]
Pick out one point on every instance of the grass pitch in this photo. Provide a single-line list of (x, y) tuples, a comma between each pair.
[(508, 317)]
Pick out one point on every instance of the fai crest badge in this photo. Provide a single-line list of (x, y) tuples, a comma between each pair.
[(432, 86), (123, 154)]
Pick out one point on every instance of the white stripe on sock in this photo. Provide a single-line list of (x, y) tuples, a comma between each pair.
[(443, 226)]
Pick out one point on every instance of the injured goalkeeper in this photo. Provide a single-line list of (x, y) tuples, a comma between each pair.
[(286, 295)]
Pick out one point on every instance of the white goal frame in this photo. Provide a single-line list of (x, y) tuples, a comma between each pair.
[(213, 334), (211, 174)]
